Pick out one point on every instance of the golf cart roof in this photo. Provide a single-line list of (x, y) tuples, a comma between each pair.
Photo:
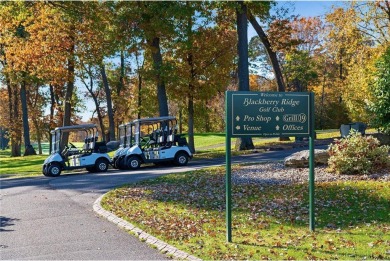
[(75, 127), (125, 124), (154, 120)]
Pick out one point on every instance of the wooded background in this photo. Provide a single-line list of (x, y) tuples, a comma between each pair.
[(144, 59)]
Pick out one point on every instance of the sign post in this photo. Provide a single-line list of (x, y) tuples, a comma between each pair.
[(268, 114), (311, 164), (228, 180)]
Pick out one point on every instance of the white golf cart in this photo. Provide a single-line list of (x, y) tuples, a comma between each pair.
[(90, 154), (153, 140)]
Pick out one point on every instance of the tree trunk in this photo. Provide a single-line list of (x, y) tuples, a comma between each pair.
[(191, 87), (3, 140), (99, 114), (191, 140), (271, 54), (121, 83), (28, 148), (111, 123), (39, 135), (207, 119), (68, 95), (69, 91), (140, 81), (13, 106), (52, 105), (242, 32), (39, 139), (244, 143), (101, 123), (51, 117), (95, 100), (157, 66), (120, 86), (180, 120), (323, 99), (139, 96)]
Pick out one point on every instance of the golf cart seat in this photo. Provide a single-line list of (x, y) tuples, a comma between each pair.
[(171, 138), (100, 147), (170, 141), (160, 142)]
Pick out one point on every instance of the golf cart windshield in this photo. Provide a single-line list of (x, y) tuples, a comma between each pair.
[(129, 134), (150, 130), (122, 135), (77, 134), (55, 141)]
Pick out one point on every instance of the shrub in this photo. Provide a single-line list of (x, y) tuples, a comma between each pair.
[(357, 154)]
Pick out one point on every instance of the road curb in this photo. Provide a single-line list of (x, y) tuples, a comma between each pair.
[(163, 247)]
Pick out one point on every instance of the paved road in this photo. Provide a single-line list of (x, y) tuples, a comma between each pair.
[(52, 218)]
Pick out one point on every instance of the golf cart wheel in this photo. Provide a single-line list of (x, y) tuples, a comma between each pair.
[(181, 159), (101, 165), (133, 163), (54, 170), (120, 163), (44, 170), (115, 163)]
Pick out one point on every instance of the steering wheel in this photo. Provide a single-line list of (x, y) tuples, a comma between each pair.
[(72, 145), (65, 150), (144, 141)]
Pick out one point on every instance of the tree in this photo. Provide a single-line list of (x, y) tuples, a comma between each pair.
[(17, 69), (354, 55), (300, 71), (109, 103), (380, 106), (202, 60), (270, 52), (28, 148), (131, 47), (97, 40), (373, 19), (156, 28), (36, 101), (87, 72), (11, 122), (244, 143)]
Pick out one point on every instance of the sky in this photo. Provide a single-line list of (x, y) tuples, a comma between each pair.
[(312, 8), (301, 8)]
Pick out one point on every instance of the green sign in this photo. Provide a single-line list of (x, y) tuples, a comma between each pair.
[(268, 114)]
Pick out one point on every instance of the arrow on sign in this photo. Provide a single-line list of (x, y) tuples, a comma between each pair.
[(238, 128), (237, 118), (277, 127), (277, 118)]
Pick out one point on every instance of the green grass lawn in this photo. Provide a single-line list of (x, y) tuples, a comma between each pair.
[(269, 222), (208, 145), (21, 166), (211, 145)]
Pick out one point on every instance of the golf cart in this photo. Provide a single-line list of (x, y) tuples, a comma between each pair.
[(125, 133), (152, 140), (90, 154)]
